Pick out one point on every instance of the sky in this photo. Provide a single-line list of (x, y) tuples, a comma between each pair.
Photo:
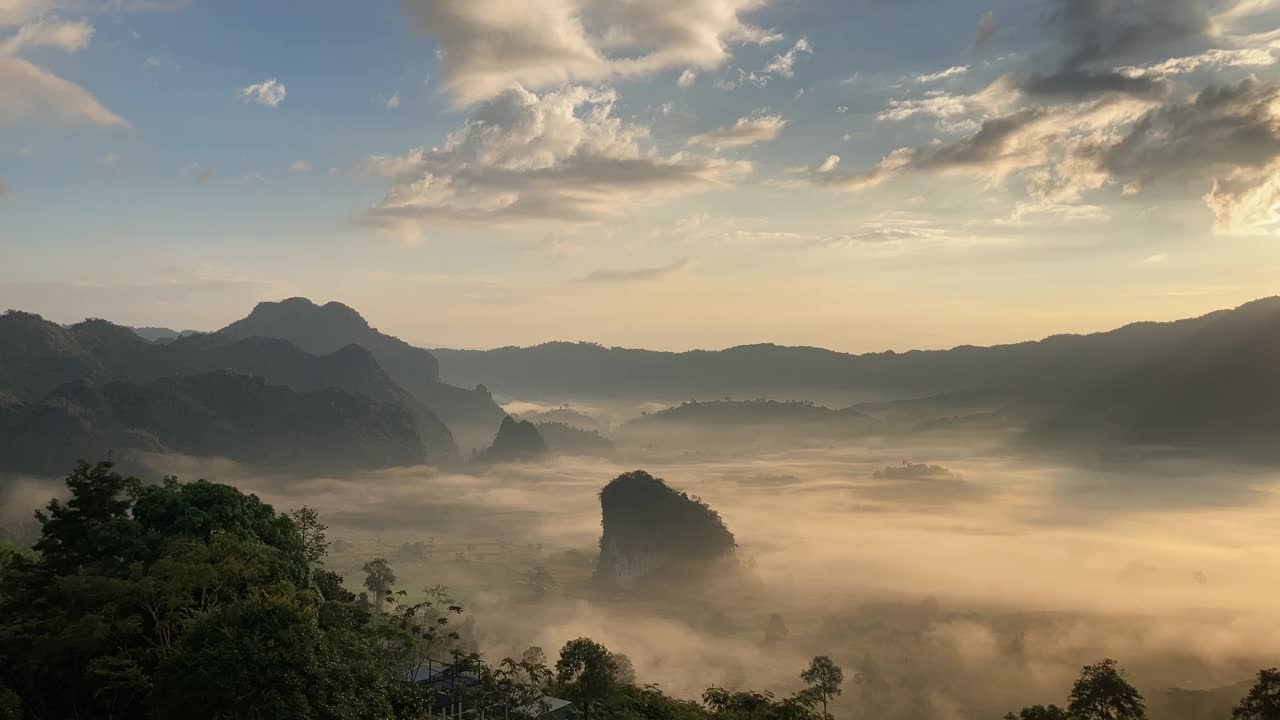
[(673, 174)]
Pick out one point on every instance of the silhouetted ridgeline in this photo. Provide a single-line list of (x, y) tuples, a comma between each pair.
[(1207, 382), (653, 532), (95, 387), (472, 415)]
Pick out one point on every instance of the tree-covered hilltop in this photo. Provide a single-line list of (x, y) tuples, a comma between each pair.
[(516, 441), (96, 387), (652, 530)]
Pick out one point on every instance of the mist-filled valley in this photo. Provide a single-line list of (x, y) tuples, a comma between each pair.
[(962, 538), (955, 575)]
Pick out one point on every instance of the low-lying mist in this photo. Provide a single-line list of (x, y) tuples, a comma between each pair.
[(950, 578)]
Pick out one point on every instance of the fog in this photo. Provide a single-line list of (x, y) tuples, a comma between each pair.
[(958, 591)]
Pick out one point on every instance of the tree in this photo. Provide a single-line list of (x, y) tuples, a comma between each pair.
[(823, 678), (776, 631), (181, 599), (380, 579), (1263, 700), (312, 531), (1103, 693), (587, 671)]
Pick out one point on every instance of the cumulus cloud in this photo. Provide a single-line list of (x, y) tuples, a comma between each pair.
[(487, 45), (637, 274), (785, 64), (750, 130), (562, 155), (299, 167), (269, 93), (393, 102), (32, 94)]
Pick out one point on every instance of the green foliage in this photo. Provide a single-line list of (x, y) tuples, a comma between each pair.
[(380, 579), (1263, 700), (823, 679), (587, 672), (314, 541), (1102, 693), (191, 600)]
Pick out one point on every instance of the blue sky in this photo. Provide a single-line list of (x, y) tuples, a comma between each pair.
[(864, 174)]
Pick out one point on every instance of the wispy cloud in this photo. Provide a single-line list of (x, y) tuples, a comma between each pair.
[(637, 274)]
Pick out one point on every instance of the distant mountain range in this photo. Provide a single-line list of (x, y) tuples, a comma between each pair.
[(296, 372), (1211, 381), (250, 392)]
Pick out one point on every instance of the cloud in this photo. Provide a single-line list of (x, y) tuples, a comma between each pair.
[(34, 95), (269, 93), (559, 156), (393, 102), (1228, 135), (785, 63), (986, 31), (1216, 60), (299, 167), (486, 46), (687, 78), (4, 188), (637, 274), (205, 176), (750, 130), (942, 74), (829, 165), (66, 36), (1223, 138)]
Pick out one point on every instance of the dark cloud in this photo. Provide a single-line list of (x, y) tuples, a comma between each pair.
[(1096, 35), (1097, 32), (1075, 84), (636, 274), (1224, 127)]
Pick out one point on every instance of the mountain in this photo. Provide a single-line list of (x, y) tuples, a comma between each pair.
[(123, 355), (56, 379), (323, 329), (570, 440), (517, 440), (652, 532), (1208, 383), (215, 414), (1054, 365), (160, 334), (1216, 388), (37, 356)]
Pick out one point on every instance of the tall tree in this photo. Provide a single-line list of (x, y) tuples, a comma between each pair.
[(380, 579), (314, 541), (823, 678), (1103, 693), (1263, 700), (587, 671)]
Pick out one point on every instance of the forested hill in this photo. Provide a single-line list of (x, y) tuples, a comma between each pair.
[(1055, 364)]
